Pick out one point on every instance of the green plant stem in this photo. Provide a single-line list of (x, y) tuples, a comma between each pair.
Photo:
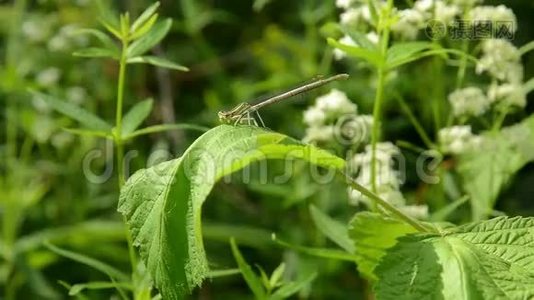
[(418, 127), (379, 95), (118, 117), (119, 143), (386, 205)]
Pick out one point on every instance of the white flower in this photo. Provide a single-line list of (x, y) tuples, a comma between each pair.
[(345, 3), (495, 14), (437, 10), (314, 116), (335, 104), (61, 139), (372, 37), (458, 139), (423, 5), (319, 134), (501, 60), (354, 130), (76, 94), (445, 13), (345, 40), (415, 211), (469, 101), (408, 24), (385, 172), (508, 94), (34, 30), (48, 77)]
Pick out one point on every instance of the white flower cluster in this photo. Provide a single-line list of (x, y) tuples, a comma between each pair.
[(494, 14), (470, 101), (507, 94), (458, 139), (438, 10), (321, 117), (501, 60), (388, 179), (356, 15), (408, 24), (67, 38)]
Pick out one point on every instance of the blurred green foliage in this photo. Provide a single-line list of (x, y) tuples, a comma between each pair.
[(236, 51)]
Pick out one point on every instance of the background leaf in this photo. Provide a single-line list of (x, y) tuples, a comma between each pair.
[(253, 281), (486, 260), (157, 61), (486, 169), (150, 39), (333, 229), (89, 120), (135, 116)]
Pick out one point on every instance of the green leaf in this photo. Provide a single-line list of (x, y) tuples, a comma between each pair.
[(443, 213), (164, 127), (485, 260), (110, 26), (96, 52), (400, 53), (319, 252), (93, 263), (150, 39), (135, 116), (106, 41), (85, 132), (360, 39), (98, 285), (144, 17), (291, 288), (162, 204), (485, 170), (253, 281), (373, 234), (145, 28), (75, 112), (277, 274), (371, 56), (333, 229), (158, 62), (526, 48)]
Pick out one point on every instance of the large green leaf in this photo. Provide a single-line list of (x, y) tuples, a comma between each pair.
[(373, 234), (485, 260), (486, 169), (163, 204)]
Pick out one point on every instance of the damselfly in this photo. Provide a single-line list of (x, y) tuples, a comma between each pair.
[(244, 112)]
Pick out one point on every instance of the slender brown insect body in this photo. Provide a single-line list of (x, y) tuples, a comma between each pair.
[(244, 111)]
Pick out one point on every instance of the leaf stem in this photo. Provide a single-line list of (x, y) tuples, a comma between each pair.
[(385, 205)]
